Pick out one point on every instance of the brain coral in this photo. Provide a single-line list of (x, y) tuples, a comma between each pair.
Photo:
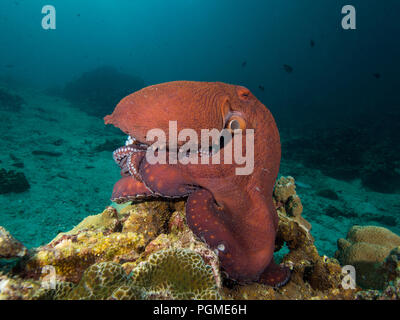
[(176, 274), (392, 264), (366, 248), (167, 274), (105, 280)]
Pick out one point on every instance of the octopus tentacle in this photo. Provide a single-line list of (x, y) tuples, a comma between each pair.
[(209, 222), (165, 180), (128, 159), (275, 275), (133, 162), (130, 189), (123, 152)]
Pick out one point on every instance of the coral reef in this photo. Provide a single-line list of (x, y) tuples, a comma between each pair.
[(109, 236), (391, 291), (11, 181), (147, 219), (10, 247), (92, 241), (101, 281), (147, 251), (17, 288), (176, 274), (366, 248), (167, 274), (392, 264), (288, 202), (96, 92)]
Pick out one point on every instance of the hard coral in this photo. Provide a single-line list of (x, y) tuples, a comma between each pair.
[(106, 222), (105, 281), (147, 219), (9, 246), (176, 274), (180, 236), (366, 248), (17, 288), (109, 236), (167, 274), (284, 188)]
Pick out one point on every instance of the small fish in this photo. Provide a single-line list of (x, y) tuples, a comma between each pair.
[(288, 68), (312, 43), (78, 14), (9, 66), (244, 63), (377, 75), (261, 87)]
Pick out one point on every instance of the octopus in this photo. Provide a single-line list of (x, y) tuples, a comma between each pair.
[(233, 213)]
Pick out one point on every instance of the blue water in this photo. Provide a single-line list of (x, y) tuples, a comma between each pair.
[(342, 88)]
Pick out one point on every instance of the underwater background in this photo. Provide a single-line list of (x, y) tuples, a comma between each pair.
[(333, 92)]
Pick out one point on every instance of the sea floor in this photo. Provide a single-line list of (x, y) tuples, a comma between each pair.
[(67, 159)]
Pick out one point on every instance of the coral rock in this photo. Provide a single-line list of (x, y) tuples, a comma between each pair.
[(176, 274), (284, 188), (16, 288), (10, 247), (71, 255), (366, 248), (106, 222), (147, 219), (105, 280)]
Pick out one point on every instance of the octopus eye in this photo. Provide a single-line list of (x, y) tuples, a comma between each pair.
[(235, 123)]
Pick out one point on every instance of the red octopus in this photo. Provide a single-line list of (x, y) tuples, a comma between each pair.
[(234, 214)]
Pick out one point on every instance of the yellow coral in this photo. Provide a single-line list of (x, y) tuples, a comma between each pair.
[(176, 274), (71, 257), (105, 280)]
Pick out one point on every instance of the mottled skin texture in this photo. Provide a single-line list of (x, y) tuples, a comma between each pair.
[(234, 214)]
